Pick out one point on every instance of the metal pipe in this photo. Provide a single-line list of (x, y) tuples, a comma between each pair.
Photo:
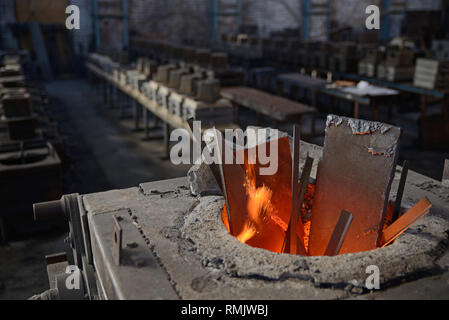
[(49, 210)]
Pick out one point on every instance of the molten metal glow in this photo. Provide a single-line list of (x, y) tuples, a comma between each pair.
[(258, 207), (247, 233)]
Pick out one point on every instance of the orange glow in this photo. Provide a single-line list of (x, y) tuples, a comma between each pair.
[(261, 211), (247, 233), (266, 219), (306, 235), (258, 206)]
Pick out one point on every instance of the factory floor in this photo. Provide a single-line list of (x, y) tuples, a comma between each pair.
[(104, 152)]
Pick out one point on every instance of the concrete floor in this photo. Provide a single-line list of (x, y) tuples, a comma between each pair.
[(104, 152)]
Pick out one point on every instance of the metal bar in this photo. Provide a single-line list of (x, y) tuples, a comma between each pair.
[(2, 231), (446, 173), (136, 115), (295, 205), (342, 182), (167, 140), (405, 221), (293, 246), (213, 166), (290, 238), (146, 116), (400, 193), (339, 234), (223, 181)]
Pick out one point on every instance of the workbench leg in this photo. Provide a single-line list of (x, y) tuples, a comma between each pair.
[(259, 118), (313, 129), (108, 93), (136, 108), (356, 110), (375, 107), (331, 104), (156, 122), (294, 93), (390, 110), (299, 122), (2, 231), (236, 113), (146, 116), (167, 141), (122, 105), (279, 88), (105, 98), (445, 105), (116, 97), (423, 105), (314, 99), (111, 96)]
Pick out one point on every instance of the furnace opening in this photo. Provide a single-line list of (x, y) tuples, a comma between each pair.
[(263, 211)]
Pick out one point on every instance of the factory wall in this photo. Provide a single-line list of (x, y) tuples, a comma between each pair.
[(174, 20), (189, 21), (83, 38), (272, 15), (7, 16)]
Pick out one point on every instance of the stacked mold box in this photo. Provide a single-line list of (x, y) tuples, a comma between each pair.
[(30, 167)]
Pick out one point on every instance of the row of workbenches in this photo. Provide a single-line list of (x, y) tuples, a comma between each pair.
[(152, 93), (372, 94)]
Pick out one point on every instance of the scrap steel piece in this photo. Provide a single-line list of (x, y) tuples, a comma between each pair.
[(446, 173), (400, 193), (339, 234), (294, 240), (232, 183), (305, 176), (291, 235), (398, 227), (355, 174), (274, 231), (214, 167)]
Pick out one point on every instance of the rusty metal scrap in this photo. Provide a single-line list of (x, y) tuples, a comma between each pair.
[(273, 234), (398, 227), (446, 173), (295, 244), (339, 234), (400, 193), (351, 178)]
